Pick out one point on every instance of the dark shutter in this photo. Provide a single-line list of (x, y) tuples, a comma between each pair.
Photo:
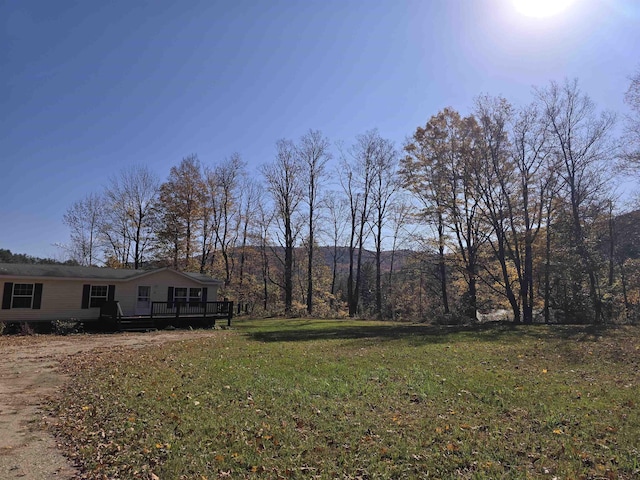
[(6, 297), (86, 291), (170, 298), (37, 296), (204, 294), (111, 293)]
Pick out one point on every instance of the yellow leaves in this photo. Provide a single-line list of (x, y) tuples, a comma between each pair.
[(557, 431), (440, 430), (452, 447), (544, 370), (86, 407), (219, 458)]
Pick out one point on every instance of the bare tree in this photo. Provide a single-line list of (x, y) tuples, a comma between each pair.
[(496, 184), (337, 209), (130, 196), (581, 142), (265, 217), (249, 203), (632, 127), (384, 186), (84, 219), (401, 213), (224, 185), (313, 152), (283, 178), (116, 233), (535, 179), (356, 180)]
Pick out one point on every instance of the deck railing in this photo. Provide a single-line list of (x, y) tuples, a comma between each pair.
[(203, 310)]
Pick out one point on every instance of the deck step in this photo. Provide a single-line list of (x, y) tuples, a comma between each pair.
[(137, 325)]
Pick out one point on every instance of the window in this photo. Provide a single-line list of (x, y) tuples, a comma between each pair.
[(187, 295), (22, 295), (144, 293), (94, 296), (195, 295), (98, 295), (180, 295)]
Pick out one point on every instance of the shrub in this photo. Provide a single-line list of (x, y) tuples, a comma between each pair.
[(26, 329), (66, 327)]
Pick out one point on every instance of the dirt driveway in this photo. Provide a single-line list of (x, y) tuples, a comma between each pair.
[(28, 373)]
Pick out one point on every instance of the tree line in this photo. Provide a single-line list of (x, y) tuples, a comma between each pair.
[(509, 207)]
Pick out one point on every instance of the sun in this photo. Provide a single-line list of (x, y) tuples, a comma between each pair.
[(541, 8)]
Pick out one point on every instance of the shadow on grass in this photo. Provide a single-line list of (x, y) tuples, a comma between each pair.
[(297, 331)]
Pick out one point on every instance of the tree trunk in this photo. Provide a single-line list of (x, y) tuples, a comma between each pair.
[(547, 272), (310, 265), (350, 290), (442, 267), (288, 267), (527, 282), (378, 281)]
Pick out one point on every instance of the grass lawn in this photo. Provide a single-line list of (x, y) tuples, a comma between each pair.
[(354, 399)]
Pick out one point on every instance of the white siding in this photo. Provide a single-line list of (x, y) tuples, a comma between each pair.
[(62, 299), (127, 292)]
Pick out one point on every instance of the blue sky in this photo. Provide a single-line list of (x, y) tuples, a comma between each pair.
[(90, 87)]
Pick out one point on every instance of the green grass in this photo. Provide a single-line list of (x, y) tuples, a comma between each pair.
[(347, 399)]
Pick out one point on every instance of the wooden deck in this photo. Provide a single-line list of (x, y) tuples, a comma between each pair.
[(175, 314)]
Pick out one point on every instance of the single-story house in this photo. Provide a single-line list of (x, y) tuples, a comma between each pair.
[(32, 293)]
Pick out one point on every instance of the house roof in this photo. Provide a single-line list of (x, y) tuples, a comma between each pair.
[(89, 273)]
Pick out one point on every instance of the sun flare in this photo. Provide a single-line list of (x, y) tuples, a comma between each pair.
[(541, 8)]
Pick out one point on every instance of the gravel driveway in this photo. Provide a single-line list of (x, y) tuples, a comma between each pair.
[(28, 374)]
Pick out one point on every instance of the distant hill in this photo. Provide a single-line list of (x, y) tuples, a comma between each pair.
[(6, 256), (399, 258)]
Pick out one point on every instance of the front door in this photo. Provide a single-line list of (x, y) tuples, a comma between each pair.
[(143, 304)]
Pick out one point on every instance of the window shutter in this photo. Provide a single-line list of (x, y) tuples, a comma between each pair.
[(86, 291), (170, 298), (204, 294), (111, 293), (37, 296), (6, 297)]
